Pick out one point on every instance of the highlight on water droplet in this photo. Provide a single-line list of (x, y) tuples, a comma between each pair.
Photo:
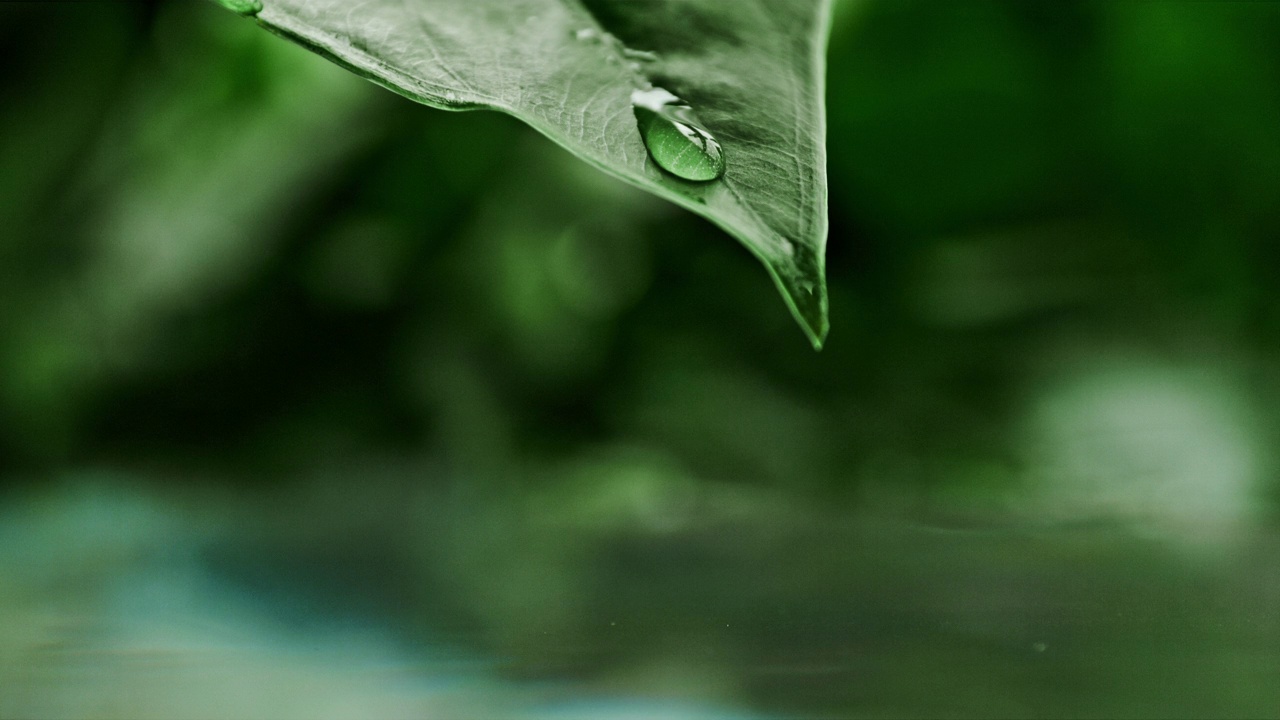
[(243, 7), (587, 34), (677, 141)]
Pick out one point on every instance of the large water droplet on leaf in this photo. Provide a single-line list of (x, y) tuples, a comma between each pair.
[(676, 139), (244, 7)]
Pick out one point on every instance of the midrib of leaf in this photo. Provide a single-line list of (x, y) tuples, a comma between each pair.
[(798, 273)]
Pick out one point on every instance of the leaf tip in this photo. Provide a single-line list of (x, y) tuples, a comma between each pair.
[(806, 297), (814, 323)]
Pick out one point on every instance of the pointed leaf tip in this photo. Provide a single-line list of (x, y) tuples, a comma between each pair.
[(807, 300), (811, 312)]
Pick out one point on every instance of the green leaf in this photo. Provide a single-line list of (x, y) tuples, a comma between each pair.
[(752, 71)]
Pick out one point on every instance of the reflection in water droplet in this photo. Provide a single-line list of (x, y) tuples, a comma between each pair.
[(676, 139), (243, 7)]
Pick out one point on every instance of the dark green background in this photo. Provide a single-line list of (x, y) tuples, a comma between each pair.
[(1050, 387)]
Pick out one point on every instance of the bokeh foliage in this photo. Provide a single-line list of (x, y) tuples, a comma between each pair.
[(218, 247)]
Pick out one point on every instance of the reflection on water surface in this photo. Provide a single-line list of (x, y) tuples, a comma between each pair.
[(121, 603)]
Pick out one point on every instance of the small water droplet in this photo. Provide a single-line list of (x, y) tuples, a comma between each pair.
[(243, 7), (639, 55), (586, 34), (1040, 647), (677, 141), (788, 249)]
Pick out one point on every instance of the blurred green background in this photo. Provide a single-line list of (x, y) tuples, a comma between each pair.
[(275, 339)]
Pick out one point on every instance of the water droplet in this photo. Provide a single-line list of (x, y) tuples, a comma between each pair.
[(639, 55), (243, 7), (676, 140), (587, 34)]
